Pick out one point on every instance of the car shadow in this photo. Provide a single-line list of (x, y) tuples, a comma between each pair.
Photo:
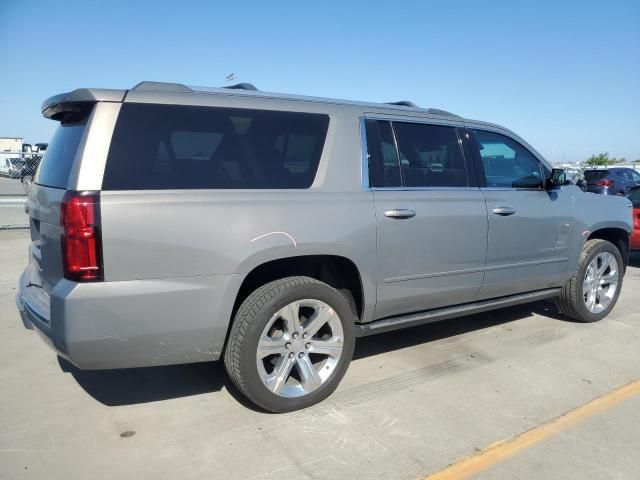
[(634, 259), (152, 384)]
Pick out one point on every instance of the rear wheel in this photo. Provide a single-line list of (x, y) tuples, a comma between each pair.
[(593, 290), (290, 344)]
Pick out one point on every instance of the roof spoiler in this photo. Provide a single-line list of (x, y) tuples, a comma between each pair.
[(80, 100)]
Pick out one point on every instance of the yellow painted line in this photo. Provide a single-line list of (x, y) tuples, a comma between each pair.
[(504, 449)]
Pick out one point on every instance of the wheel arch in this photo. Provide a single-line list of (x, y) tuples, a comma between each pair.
[(617, 236), (337, 271)]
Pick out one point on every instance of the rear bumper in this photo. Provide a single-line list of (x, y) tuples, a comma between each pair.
[(599, 190), (137, 323)]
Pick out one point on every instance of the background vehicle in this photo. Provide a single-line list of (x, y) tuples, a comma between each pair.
[(611, 180), (32, 155), (172, 224), (11, 167), (634, 196)]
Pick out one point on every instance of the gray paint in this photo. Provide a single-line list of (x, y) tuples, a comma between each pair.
[(174, 260)]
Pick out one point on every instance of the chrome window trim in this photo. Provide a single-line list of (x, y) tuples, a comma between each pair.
[(394, 117)]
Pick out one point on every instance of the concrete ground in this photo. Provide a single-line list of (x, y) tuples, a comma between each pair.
[(12, 199), (412, 403), (11, 186)]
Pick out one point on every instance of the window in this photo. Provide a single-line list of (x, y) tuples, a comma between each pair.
[(384, 168), (628, 174), (507, 163), (56, 165), (183, 147), (593, 175), (430, 155)]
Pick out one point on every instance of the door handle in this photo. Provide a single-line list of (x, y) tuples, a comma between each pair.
[(400, 213), (504, 211)]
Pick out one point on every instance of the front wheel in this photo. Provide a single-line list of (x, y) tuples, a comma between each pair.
[(593, 290), (290, 344)]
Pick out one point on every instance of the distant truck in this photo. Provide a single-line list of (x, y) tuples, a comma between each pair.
[(31, 154), (10, 156)]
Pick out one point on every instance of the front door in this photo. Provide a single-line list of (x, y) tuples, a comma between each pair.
[(432, 219), (529, 226)]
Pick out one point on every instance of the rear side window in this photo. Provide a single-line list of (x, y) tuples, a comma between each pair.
[(157, 147), (57, 162), (430, 155)]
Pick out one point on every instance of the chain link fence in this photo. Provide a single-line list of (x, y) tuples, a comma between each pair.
[(17, 171)]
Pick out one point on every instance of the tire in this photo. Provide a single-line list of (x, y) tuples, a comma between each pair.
[(264, 322), (574, 299)]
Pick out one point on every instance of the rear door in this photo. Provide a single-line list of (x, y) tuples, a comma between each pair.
[(51, 182), (431, 216), (529, 226)]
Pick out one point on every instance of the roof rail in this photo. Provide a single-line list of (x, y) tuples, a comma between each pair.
[(242, 86), (403, 103), (162, 86), (437, 111)]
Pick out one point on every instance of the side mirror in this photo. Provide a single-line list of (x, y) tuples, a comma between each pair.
[(558, 178)]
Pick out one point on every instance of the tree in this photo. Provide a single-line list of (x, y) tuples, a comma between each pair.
[(601, 160)]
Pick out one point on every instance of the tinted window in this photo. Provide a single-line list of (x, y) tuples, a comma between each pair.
[(507, 163), (384, 168), (56, 165), (590, 175), (635, 175), (430, 155), (183, 147)]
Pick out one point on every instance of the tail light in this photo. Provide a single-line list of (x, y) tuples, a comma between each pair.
[(81, 245), (604, 183), (637, 222)]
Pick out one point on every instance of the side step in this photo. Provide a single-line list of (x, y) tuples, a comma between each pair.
[(414, 319)]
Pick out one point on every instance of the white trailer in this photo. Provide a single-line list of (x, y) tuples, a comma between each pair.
[(11, 156)]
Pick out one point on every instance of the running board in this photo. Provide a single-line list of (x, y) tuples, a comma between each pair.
[(414, 319)]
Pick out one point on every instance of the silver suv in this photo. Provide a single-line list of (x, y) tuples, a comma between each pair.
[(172, 224)]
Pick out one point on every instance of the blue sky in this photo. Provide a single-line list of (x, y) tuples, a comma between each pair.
[(565, 75)]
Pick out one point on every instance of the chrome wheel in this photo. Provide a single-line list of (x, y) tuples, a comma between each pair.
[(600, 282), (300, 348)]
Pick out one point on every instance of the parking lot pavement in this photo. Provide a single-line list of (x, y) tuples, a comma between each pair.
[(12, 199), (11, 186), (412, 403)]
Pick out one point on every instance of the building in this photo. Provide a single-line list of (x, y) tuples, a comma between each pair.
[(11, 145)]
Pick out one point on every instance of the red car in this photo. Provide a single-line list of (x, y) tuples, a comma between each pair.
[(634, 196)]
